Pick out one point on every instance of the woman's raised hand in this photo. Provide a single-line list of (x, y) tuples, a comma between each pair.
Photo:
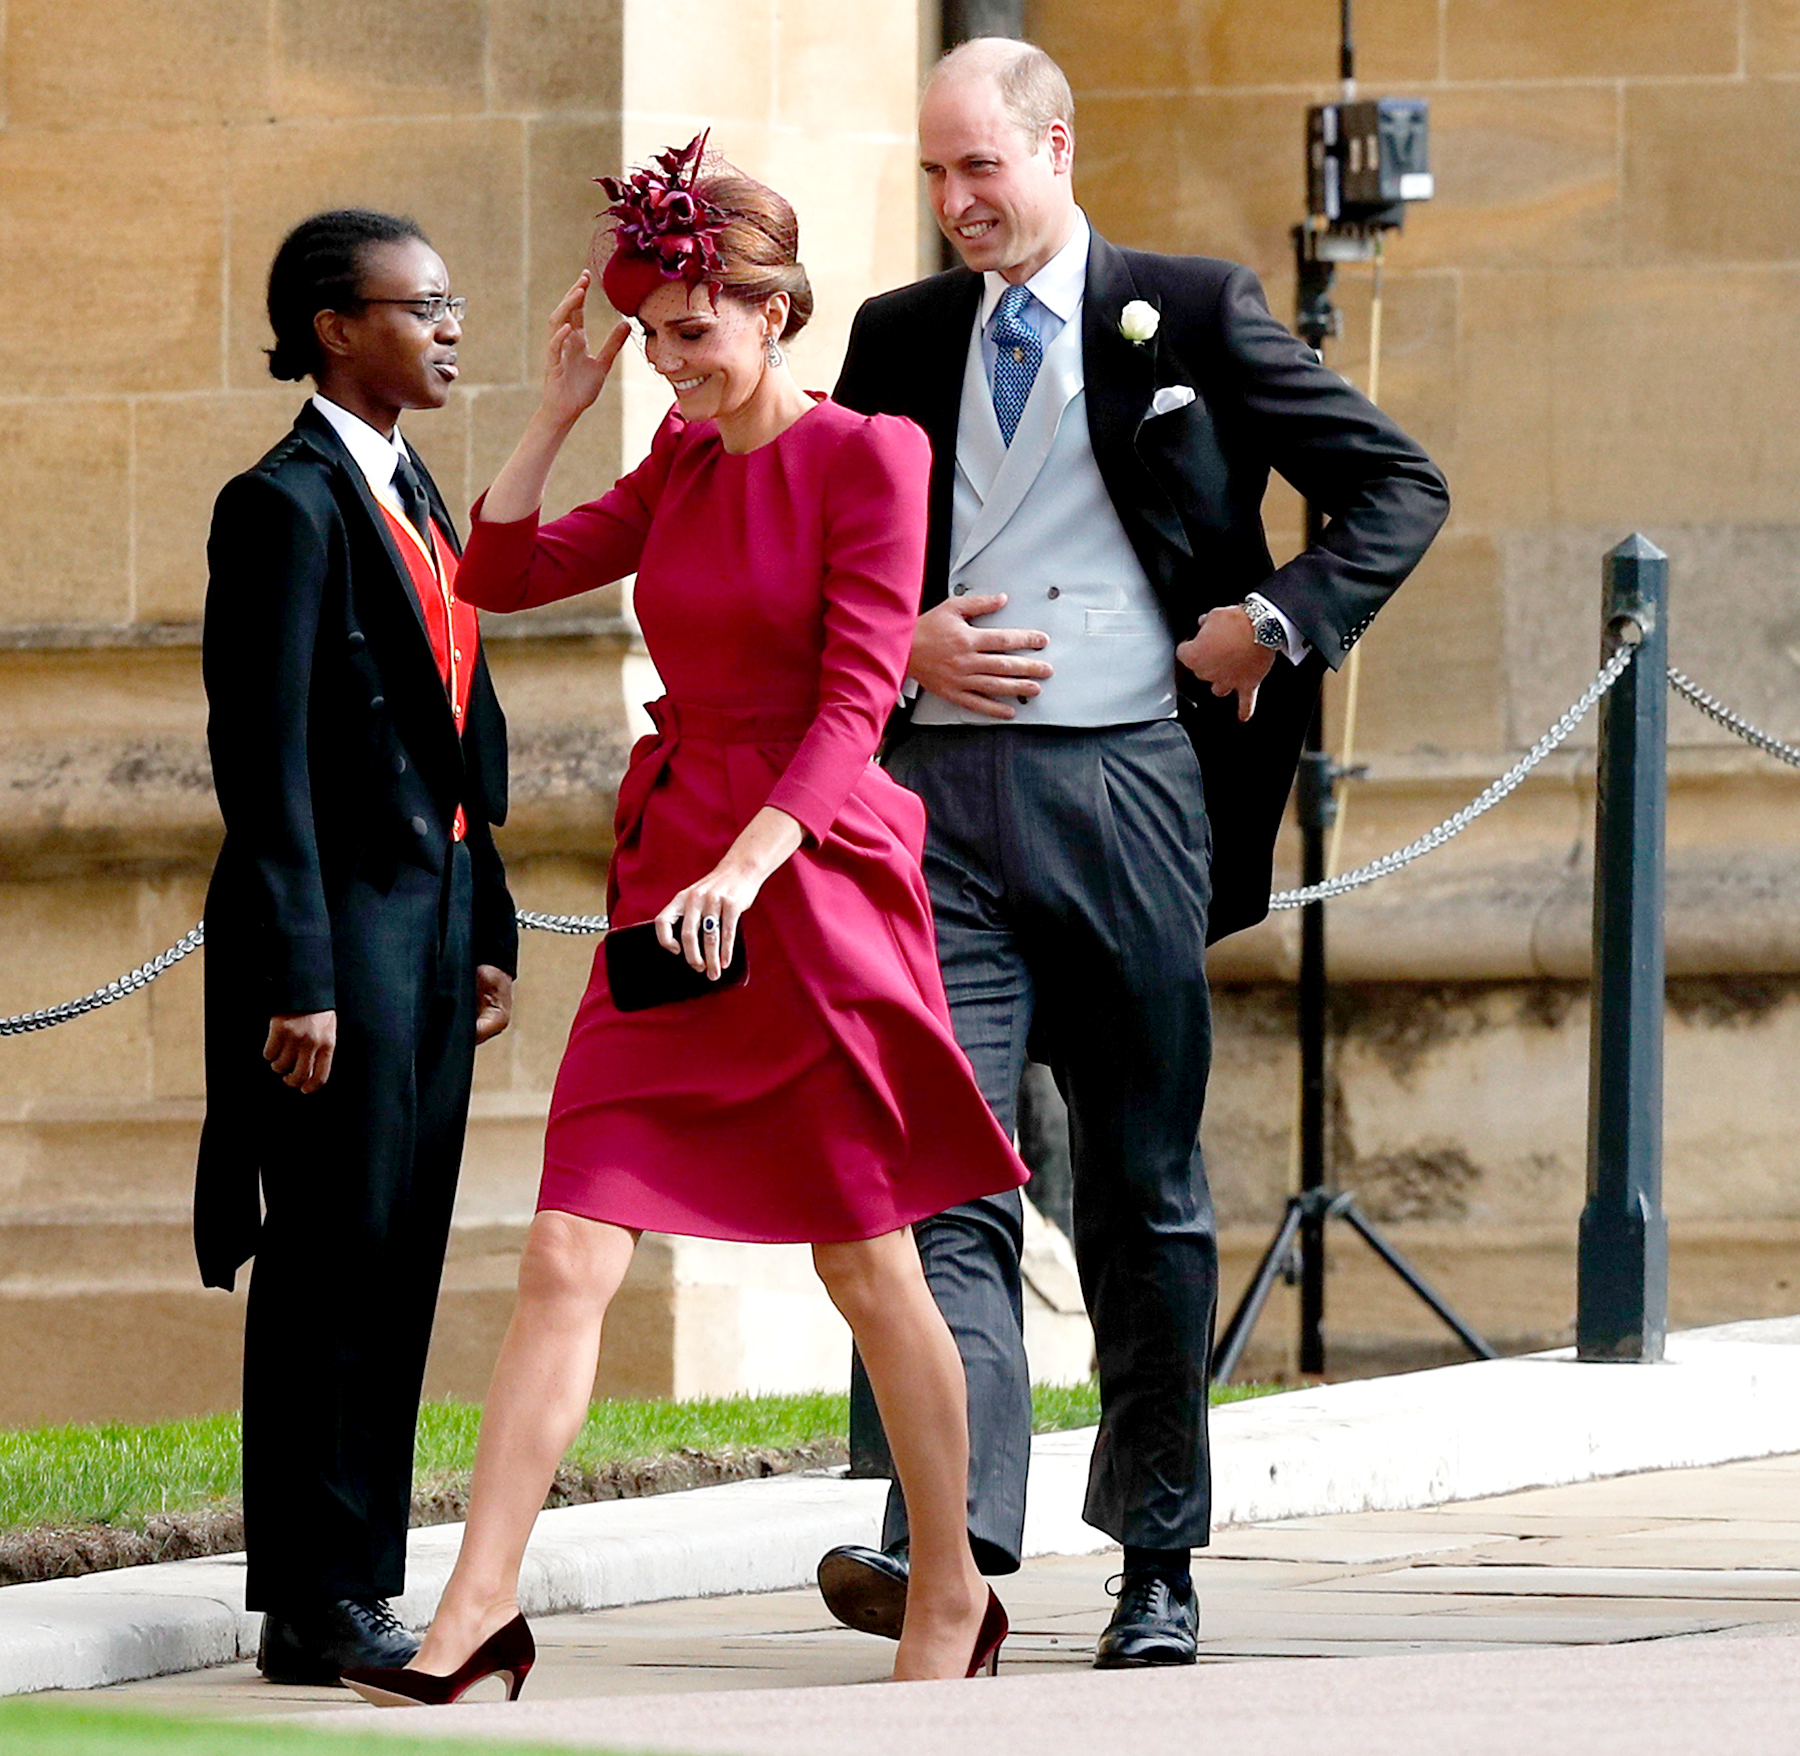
[(573, 377)]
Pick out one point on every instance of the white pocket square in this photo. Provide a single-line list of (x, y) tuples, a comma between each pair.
[(1170, 398)]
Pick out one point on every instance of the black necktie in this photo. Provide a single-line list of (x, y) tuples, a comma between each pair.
[(412, 495)]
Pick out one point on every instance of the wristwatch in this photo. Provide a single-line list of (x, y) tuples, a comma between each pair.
[(1265, 625)]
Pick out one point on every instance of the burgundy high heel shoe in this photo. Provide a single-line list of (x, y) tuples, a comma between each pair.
[(508, 1652), (994, 1630)]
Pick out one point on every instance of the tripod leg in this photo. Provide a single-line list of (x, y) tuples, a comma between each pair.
[(1243, 1319), (1367, 1231)]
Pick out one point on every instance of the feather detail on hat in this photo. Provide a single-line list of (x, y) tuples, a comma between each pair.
[(662, 229)]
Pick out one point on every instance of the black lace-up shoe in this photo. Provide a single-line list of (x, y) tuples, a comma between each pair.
[(866, 1588), (318, 1642), (1155, 1623)]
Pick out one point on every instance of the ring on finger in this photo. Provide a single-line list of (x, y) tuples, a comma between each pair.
[(709, 924)]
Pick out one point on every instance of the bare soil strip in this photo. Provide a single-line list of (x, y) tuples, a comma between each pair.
[(27, 1556)]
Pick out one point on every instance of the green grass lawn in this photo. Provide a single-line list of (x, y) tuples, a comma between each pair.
[(120, 1475), (55, 1728)]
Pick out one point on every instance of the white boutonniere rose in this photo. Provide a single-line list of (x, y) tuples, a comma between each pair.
[(1139, 321)]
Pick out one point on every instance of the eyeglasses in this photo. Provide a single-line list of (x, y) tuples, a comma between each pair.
[(432, 308)]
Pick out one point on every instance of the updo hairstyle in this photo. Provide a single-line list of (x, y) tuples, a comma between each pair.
[(319, 268), (759, 245)]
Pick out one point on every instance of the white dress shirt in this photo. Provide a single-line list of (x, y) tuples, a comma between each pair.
[(376, 455)]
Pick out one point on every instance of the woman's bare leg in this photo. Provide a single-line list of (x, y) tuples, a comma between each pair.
[(542, 1385), (917, 1376)]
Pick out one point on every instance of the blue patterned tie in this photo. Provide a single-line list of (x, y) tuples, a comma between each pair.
[(1017, 356)]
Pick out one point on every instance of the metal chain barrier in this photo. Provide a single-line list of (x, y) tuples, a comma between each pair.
[(576, 926), (23, 1022), (141, 977), (573, 925), (1715, 709), (1610, 673)]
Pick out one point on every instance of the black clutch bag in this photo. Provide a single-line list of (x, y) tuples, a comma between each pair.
[(641, 974)]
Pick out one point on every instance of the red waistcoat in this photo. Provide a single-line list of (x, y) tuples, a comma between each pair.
[(452, 624)]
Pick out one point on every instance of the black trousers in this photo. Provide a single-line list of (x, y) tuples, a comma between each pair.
[(1069, 877), (359, 1179)]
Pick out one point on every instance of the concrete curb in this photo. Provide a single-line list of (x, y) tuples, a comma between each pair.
[(1384, 1444)]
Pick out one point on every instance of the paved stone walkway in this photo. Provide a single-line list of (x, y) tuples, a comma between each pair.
[(1644, 1558)]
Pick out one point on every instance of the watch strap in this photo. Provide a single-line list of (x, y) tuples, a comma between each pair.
[(1265, 626)]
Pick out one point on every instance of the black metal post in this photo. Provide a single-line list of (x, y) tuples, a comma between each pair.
[(1316, 802), (963, 19), (1317, 809), (1622, 1307)]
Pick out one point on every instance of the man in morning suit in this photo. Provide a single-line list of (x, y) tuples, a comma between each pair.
[(360, 940), (1105, 765)]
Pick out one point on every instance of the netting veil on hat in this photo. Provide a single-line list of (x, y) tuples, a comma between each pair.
[(662, 229)]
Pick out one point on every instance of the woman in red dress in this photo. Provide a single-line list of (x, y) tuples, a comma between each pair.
[(778, 543)]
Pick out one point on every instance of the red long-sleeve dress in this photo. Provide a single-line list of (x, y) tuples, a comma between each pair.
[(824, 1099)]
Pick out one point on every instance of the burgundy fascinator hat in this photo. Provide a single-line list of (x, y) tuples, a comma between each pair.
[(662, 230)]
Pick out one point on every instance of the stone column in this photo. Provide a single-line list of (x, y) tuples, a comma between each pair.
[(151, 157)]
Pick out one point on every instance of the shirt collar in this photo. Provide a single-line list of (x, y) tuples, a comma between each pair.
[(375, 454), (1058, 286)]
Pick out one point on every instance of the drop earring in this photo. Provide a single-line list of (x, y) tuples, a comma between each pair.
[(772, 352)]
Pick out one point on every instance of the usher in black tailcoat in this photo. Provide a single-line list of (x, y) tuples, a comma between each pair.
[(1188, 487), (1074, 872), (339, 887)]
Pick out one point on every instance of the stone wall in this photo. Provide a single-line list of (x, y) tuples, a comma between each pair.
[(151, 157), (1593, 328)]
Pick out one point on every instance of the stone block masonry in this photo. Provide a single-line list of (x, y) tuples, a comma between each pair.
[(151, 157), (1592, 327)]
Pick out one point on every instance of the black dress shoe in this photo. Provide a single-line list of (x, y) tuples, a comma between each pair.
[(1155, 1623), (317, 1643), (866, 1588)]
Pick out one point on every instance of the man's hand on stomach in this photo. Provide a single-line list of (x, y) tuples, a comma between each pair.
[(980, 669)]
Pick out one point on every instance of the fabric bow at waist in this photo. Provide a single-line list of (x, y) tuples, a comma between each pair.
[(676, 724)]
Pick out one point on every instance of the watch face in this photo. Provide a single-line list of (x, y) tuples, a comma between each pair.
[(1268, 632)]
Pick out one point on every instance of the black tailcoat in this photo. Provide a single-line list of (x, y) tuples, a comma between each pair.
[(1188, 487), (336, 758), (340, 886)]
